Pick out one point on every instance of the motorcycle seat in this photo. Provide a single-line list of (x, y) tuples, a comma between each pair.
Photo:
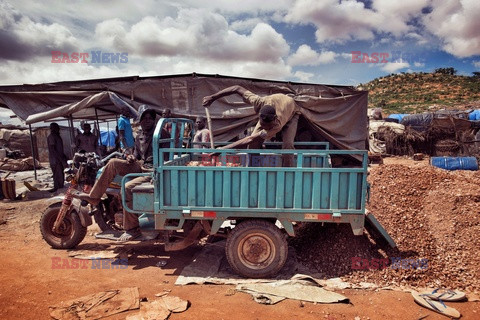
[(146, 187)]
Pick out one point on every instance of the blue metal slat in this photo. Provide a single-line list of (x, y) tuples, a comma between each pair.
[(325, 190), (244, 187), (192, 183), (298, 176), (307, 190), (343, 190), (209, 188), (270, 189), (218, 188), (167, 196), (253, 190), (316, 190), (262, 189), (183, 181), (352, 190), (227, 188), (200, 188), (236, 189), (174, 186), (334, 190), (289, 188), (280, 203)]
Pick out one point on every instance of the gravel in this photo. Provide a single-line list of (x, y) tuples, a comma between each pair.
[(432, 214)]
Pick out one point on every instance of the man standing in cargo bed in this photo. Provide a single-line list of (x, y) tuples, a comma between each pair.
[(277, 112)]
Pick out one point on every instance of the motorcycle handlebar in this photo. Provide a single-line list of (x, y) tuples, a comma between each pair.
[(112, 155)]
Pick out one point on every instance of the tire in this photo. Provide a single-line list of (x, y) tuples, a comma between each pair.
[(105, 214), (102, 217), (71, 231), (256, 249)]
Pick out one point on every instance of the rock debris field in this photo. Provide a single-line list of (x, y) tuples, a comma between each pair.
[(432, 214)]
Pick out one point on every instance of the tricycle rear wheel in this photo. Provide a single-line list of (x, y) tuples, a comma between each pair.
[(256, 249)]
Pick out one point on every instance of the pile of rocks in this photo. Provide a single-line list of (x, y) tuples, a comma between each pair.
[(432, 214)]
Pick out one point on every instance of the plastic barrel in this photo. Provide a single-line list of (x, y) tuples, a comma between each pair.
[(455, 163)]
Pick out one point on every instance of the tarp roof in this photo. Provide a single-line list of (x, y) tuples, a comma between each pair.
[(335, 113)]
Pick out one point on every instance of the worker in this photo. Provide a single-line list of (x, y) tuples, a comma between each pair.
[(140, 161), (277, 113)]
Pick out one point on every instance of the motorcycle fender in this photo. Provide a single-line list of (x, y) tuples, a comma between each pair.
[(55, 200), (83, 213)]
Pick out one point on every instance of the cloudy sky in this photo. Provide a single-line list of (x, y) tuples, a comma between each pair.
[(295, 40)]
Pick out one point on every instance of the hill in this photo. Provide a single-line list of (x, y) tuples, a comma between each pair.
[(418, 92)]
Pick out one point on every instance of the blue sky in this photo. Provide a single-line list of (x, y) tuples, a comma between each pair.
[(294, 40)]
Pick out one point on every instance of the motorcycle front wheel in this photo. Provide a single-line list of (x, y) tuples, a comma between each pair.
[(70, 233)]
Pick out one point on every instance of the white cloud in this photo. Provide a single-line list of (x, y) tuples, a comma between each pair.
[(238, 7), (194, 33), (457, 23), (306, 56), (250, 69), (303, 76), (22, 38), (393, 67), (476, 64), (111, 34), (41, 70), (335, 21), (418, 64), (245, 25), (396, 15), (339, 21)]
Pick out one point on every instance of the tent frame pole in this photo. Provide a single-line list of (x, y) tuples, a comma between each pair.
[(32, 145)]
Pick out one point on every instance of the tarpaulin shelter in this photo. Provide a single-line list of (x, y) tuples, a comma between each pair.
[(337, 114)]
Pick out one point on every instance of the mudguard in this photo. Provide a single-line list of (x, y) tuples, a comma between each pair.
[(83, 212)]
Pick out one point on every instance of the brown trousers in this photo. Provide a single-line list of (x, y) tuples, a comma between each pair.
[(120, 167)]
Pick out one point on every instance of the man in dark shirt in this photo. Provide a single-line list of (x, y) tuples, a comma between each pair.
[(56, 156), (137, 162), (86, 141)]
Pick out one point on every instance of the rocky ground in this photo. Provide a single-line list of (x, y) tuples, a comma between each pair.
[(431, 213)]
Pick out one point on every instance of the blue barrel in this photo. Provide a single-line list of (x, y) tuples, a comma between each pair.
[(455, 163)]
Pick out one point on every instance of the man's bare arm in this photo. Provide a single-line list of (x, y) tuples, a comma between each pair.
[(245, 142), (208, 100)]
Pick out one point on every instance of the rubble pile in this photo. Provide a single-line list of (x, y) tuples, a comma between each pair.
[(432, 214)]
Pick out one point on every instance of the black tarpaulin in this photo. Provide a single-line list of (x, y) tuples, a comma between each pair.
[(334, 113)]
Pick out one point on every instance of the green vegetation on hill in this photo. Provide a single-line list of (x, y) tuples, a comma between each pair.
[(418, 92)]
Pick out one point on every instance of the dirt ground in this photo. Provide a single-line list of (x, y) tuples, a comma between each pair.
[(29, 284)]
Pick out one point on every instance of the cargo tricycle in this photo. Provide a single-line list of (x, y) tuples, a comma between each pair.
[(246, 196)]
